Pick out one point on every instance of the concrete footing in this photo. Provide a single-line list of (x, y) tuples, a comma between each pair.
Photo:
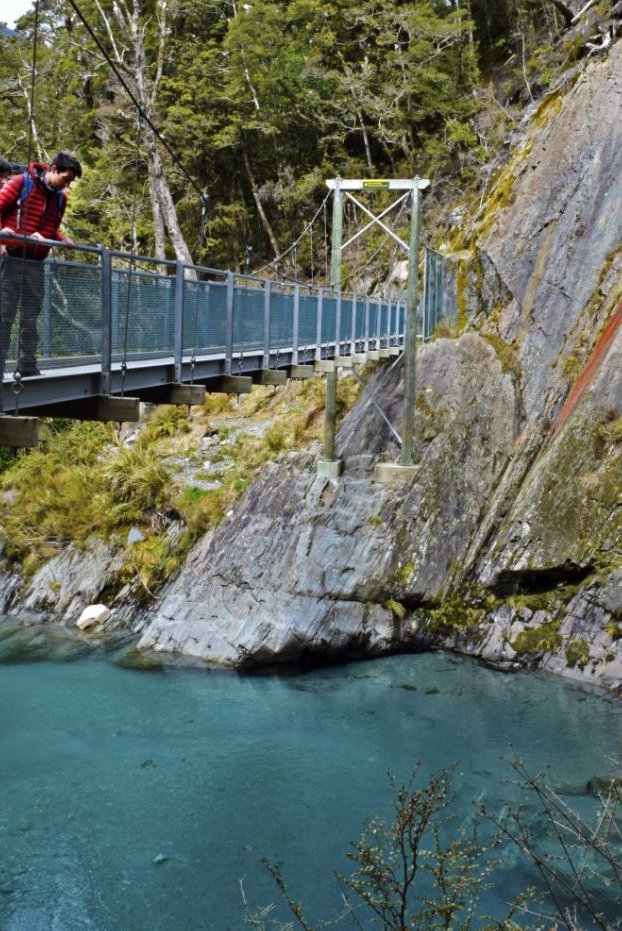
[(328, 468), (373, 355), (391, 473), (359, 358), (344, 362)]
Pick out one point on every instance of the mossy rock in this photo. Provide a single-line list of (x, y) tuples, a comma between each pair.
[(536, 640), (453, 616), (136, 659), (577, 654)]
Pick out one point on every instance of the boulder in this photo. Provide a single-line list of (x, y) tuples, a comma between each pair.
[(93, 616)]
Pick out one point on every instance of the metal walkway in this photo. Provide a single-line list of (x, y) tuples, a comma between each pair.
[(120, 326)]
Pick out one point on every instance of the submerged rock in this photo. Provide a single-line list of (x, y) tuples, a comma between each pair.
[(19, 644)]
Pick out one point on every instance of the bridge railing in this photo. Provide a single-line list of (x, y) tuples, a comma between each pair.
[(110, 308)]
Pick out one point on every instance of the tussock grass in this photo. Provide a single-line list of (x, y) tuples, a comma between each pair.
[(84, 480)]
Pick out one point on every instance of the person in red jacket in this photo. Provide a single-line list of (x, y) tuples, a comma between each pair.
[(31, 204)]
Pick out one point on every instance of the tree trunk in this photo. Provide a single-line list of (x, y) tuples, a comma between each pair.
[(162, 198), (262, 214)]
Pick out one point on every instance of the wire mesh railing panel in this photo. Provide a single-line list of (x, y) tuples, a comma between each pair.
[(70, 324), (329, 318), (281, 321), (384, 324), (248, 319), (359, 327), (196, 312), (374, 320), (51, 313), (433, 293), (143, 314), (307, 321), (207, 307), (345, 324)]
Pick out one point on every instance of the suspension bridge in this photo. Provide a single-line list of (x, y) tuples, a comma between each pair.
[(116, 329)]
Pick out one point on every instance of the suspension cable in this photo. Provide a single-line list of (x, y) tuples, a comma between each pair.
[(132, 264), (278, 258), (17, 387)]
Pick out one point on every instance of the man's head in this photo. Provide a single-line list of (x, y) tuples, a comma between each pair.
[(63, 170)]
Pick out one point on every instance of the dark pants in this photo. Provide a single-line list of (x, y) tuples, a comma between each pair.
[(21, 290)]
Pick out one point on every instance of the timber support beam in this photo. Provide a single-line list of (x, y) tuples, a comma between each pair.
[(270, 377), (299, 372), (19, 431), (231, 384)]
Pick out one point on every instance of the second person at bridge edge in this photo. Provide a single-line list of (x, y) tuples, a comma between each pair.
[(32, 203)]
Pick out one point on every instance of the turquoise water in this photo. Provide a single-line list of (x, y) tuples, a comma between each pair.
[(133, 800)]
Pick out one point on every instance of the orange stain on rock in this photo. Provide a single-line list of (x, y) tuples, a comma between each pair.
[(590, 371)]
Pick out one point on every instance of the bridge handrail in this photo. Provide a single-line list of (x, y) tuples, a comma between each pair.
[(40, 241), (239, 277), (228, 309)]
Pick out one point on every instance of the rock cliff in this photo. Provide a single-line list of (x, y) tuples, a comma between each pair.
[(507, 542)]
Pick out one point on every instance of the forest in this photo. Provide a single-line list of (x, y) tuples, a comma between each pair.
[(207, 128)]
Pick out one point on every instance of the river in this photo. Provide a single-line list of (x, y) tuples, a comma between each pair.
[(141, 800)]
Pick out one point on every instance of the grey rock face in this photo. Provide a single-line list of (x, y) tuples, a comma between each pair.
[(553, 240), (306, 565), (65, 585), (501, 500)]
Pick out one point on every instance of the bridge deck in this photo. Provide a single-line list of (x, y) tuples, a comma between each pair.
[(121, 325)]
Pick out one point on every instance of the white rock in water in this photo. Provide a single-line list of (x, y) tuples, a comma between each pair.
[(93, 615)]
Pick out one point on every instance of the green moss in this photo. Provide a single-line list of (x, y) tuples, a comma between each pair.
[(552, 601), (577, 654), (462, 284), (534, 640), (614, 629), (508, 358), (548, 109), (396, 608), (611, 431), (401, 575), (452, 616)]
